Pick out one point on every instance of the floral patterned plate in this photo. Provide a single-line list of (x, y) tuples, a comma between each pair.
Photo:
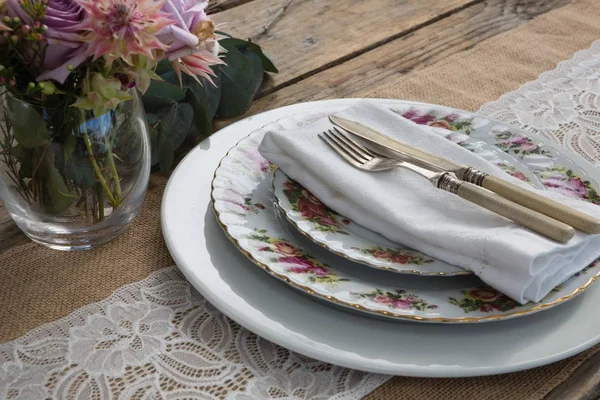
[(243, 200), (348, 239)]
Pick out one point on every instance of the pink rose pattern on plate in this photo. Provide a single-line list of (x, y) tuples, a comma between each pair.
[(296, 260), (512, 171), (312, 209), (565, 181), (518, 144), (397, 256), (437, 119), (398, 300)]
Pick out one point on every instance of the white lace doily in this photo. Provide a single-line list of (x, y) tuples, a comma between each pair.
[(562, 105), (159, 339)]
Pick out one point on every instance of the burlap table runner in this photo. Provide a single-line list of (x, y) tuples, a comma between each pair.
[(38, 285)]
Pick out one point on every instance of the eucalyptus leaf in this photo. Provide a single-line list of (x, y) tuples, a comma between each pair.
[(151, 118), (213, 92), (240, 44), (25, 159), (161, 94), (237, 85), (153, 145), (166, 143), (163, 66), (182, 116), (56, 195), (256, 67), (171, 77), (197, 97), (28, 125)]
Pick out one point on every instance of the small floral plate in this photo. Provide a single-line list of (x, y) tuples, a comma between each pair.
[(243, 200), (348, 239)]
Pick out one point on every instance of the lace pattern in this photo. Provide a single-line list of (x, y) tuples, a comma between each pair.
[(160, 339), (562, 105)]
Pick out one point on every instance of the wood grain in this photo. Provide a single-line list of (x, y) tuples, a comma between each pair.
[(316, 34), (216, 6), (413, 51)]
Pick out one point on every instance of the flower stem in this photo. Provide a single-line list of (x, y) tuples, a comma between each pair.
[(101, 180), (100, 203), (113, 168)]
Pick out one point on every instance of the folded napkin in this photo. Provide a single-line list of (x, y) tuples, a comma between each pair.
[(406, 208)]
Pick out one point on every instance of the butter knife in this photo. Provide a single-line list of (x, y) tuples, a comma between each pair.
[(514, 193)]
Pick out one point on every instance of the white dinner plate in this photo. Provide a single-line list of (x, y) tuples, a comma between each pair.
[(281, 314)]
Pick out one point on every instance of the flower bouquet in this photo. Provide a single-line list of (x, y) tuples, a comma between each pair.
[(75, 144)]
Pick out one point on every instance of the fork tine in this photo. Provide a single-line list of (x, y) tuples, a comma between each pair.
[(340, 151), (354, 143), (348, 148)]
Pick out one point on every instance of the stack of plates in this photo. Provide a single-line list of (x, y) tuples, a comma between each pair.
[(285, 230)]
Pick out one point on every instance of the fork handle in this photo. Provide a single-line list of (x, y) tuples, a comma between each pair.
[(575, 218), (524, 216)]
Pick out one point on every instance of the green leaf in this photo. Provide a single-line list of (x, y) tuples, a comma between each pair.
[(69, 147), (213, 92), (240, 44), (197, 97), (237, 85), (172, 78), (153, 145), (256, 67), (182, 115), (161, 94), (28, 125), (56, 195), (151, 118), (163, 66), (166, 143)]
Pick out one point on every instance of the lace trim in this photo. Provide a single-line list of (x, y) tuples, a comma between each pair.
[(158, 338), (562, 105)]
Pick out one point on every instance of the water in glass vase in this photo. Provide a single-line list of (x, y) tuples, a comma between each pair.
[(70, 179)]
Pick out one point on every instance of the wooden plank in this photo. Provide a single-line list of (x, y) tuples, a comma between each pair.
[(314, 35), (583, 384), (216, 6), (413, 51)]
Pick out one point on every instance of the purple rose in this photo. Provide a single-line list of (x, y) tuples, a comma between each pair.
[(182, 37), (65, 46)]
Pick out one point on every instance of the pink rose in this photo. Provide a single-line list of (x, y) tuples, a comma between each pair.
[(65, 46), (418, 117), (299, 261), (574, 187), (451, 117), (519, 175), (486, 308), (515, 139), (528, 146), (381, 299), (382, 254), (320, 271), (400, 258), (402, 303)]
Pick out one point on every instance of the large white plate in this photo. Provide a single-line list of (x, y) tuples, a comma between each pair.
[(280, 314)]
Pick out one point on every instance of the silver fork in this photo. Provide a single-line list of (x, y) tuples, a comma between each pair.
[(364, 159)]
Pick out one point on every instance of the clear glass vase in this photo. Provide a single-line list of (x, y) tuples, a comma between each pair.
[(70, 179)]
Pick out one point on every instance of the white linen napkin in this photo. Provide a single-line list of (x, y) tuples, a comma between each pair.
[(406, 208)]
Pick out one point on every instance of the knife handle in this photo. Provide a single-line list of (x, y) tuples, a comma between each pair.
[(524, 216), (534, 201)]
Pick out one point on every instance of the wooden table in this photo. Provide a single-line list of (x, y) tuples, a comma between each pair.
[(337, 48)]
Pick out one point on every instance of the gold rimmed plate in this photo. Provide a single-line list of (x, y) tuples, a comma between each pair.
[(242, 196), (348, 239)]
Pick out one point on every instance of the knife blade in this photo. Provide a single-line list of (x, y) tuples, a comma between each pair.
[(512, 192)]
